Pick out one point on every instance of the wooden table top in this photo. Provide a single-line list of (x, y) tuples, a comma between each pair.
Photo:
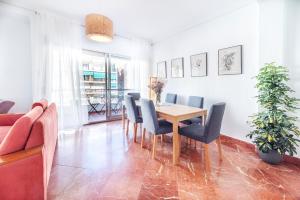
[(177, 110)]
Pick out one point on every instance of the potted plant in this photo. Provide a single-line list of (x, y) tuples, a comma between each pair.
[(157, 87), (275, 132)]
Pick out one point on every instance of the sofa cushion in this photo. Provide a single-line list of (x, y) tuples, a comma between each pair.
[(17, 136), (43, 103), (9, 119), (3, 132)]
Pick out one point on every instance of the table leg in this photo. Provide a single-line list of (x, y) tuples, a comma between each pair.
[(203, 119), (176, 143)]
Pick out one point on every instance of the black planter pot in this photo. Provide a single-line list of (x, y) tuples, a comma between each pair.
[(272, 157)]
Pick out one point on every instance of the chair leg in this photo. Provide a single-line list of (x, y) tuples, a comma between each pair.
[(207, 160), (187, 142), (161, 138), (195, 144), (135, 126), (127, 128), (218, 141), (143, 137), (154, 146)]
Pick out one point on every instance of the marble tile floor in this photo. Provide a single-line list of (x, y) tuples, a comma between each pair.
[(100, 162)]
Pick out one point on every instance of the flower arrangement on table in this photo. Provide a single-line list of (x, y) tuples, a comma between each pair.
[(157, 88)]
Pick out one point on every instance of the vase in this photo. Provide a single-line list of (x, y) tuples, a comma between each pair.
[(158, 99), (272, 157)]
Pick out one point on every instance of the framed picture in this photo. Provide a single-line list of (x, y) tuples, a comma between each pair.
[(199, 65), (177, 68), (162, 69), (230, 60)]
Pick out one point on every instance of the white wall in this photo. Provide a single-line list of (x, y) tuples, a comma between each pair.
[(280, 41), (239, 27), (271, 34), (15, 67), (292, 44), (292, 48)]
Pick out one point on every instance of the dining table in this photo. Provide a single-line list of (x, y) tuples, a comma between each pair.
[(174, 113)]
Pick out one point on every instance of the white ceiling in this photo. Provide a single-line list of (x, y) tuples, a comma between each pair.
[(150, 19)]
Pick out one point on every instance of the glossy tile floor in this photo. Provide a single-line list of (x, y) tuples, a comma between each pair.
[(99, 162)]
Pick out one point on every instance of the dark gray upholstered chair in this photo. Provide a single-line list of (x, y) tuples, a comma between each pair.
[(197, 102), (209, 132), (152, 124), (5, 106), (132, 114), (171, 98), (136, 95)]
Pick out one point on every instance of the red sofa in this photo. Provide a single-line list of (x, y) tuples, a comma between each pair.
[(27, 146)]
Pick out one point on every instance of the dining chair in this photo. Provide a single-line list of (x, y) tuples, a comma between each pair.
[(132, 114), (136, 95), (152, 124), (194, 101), (208, 133), (5, 106), (171, 98)]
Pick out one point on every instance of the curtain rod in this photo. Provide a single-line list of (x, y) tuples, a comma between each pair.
[(18, 6), (37, 12)]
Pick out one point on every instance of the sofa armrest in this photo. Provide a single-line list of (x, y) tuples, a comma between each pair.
[(13, 157), (9, 119)]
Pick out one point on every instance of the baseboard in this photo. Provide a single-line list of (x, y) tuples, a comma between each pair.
[(232, 142)]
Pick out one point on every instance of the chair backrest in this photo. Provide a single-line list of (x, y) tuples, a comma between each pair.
[(214, 122), (171, 98), (196, 101), (136, 95), (5, 106), (150, 121), (131, 108)]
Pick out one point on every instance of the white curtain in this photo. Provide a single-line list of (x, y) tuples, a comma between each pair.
[(56, 63), (139, 69)]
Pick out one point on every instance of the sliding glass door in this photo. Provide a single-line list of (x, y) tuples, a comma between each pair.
[(105, 83)]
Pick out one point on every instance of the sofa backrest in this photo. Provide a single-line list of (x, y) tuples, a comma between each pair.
[(16, 138), (43, 103), (43, 128), (44, 132)]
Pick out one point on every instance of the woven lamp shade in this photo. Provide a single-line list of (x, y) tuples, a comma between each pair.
[(98, 28)]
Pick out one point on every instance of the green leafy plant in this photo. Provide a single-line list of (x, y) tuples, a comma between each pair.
[(274, 126)]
